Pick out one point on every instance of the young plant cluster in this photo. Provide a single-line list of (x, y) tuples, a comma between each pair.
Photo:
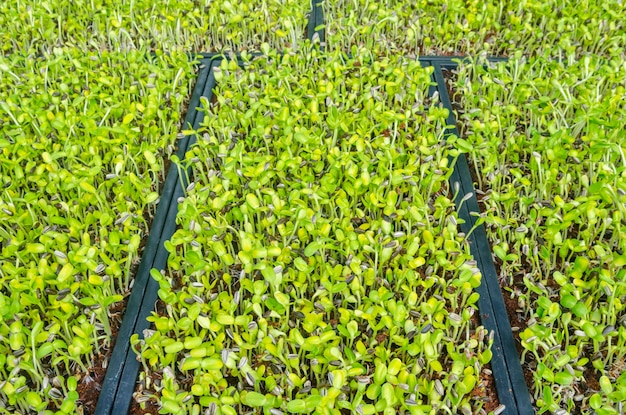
[(82, 140), (317, 266), (184, 25), (549, 148), (426, 27)]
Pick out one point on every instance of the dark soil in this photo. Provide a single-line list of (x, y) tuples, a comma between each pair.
[(485, 390), (90, 384), (149, 408)]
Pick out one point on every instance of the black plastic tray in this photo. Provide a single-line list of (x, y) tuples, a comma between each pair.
[(123, 368), (316, 20)]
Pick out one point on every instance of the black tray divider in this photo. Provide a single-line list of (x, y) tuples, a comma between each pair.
[(447, 61), (199, 92), (508, 376), (318, 14), (109, 394), (128, 378), (208, 93)]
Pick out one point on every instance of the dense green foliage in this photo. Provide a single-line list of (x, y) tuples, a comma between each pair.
[(88, 117), (556, 28), (82, 146), (550, 150), (35, 26), (318, 264)]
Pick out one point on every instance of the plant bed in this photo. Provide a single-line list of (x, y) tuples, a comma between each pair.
[(294, 282), (502, 28), (81, 163), (551, 167), (181, 25)]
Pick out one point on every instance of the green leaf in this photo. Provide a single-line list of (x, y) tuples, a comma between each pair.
[(373, 391), (128, 118), (464, 145), (500, 252), (312, 402), (595, 401), (174, 347), (564, 378), (297, 406), (301, 264), (252, 201), (87, 187), (547, 395), (254, 399), (580, 309), (568, 301), (469, 382), (204, 322), (312, 248), (605, 384)]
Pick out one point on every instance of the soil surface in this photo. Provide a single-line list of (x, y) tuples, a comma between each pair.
[(90, 384), (149, 408)]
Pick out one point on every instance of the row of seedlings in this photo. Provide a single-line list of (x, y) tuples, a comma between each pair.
[(181, 25), (81, 147), (317, 265), (426, 27), (557, 28), (549, 152)]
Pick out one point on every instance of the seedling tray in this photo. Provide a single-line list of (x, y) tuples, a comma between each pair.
[(117, 391)]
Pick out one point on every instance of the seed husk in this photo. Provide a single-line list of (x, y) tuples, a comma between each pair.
[(54, 393), (439, 387), (60, 254), (197, 299), (225, 354), (306, 387), (62, 294)]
